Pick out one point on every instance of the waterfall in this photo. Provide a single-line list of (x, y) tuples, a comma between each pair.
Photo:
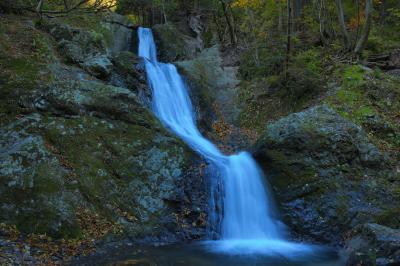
[(248, 221)]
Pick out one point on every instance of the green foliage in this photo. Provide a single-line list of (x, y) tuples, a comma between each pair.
[(353, 76), (305, 77), (371, 100), (310, 59), (270, 63)]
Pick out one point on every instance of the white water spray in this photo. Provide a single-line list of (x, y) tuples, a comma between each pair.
[(248, 222)]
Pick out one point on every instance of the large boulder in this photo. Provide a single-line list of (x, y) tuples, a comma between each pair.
[(80, 155), (328, 175), (92, 49), (95, 147), (373, 244)]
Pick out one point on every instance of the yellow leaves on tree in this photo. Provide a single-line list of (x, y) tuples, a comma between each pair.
[(247, 3)]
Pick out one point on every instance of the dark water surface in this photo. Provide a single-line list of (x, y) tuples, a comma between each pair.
[(200, 255)]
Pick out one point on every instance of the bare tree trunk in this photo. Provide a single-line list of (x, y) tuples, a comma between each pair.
[(321, 19), (229, 22), (280, 18), (250, 14), (289, 33), (295, 6), (39, 8), (358, 25), (366, 29), (163, 10), (382, 12), (220, 34), (342, 24)]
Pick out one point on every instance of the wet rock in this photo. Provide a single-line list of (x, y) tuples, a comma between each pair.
[(329, 177), (374, 244)]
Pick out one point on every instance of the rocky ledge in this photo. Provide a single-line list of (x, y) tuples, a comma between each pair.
[(81, 157), (328, 175)]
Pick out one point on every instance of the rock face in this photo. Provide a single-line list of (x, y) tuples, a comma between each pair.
[(328, 176), (83, 143), (173, 45), (374, 244), (213, 82)]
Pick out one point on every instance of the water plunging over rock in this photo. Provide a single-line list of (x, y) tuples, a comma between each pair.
[(248, 223)]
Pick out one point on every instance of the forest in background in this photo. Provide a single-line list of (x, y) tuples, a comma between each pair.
[(268, 32)]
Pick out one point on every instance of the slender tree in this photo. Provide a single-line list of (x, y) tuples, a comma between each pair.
[(229, 22), (342, 25), (289, 34), (280, 16), (366, 29)]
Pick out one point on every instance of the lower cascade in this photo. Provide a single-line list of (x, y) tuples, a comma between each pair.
[(248, 222)]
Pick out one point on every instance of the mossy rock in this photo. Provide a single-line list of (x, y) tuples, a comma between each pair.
[(371, 100), (327, 173), (173, 45), (72, 144), (126, 172)]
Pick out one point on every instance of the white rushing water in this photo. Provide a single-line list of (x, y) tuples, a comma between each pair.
[(248, 223)]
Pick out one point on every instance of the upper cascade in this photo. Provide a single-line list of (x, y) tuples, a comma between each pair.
[(147, 47)]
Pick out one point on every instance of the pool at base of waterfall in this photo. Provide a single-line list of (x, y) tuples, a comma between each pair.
[(209, 254)]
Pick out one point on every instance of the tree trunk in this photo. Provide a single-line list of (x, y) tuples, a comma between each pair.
[(321, 18), (220, 34), (366, 29), (228, 22), (280, 18), (289, 33), (382, 12), (342, 24), (358, 25), (39, 8), (250, 14), (163, 10)]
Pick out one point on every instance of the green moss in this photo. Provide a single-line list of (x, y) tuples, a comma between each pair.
[(353, 76), (171, 43), (285, 165), (24, 56), (42, 222), (310, 59), (389, 217), (371, 100)]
